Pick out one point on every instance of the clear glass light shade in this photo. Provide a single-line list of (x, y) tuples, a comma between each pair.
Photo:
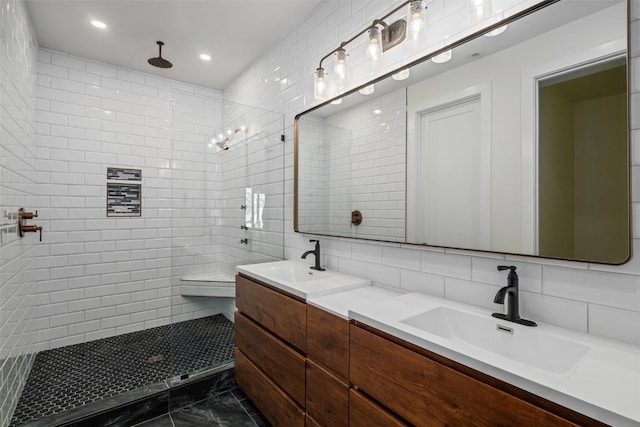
[(367, 90), (373, 53), (443, 57), (416, 26), (340, 70), (479, 10), (320, 85), (401, 75)]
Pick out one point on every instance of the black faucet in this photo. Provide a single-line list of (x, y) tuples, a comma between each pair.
[(316, 253), (513, 314)]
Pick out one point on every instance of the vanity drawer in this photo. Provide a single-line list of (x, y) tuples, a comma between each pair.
[(279, 362), (425, 392), (276, 312), (328, 341), (365, 413), (274, 404), (327, 397)]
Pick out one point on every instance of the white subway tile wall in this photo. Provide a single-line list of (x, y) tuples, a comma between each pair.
[(93, 276), (108, 276), (18, 188), (567, 294)]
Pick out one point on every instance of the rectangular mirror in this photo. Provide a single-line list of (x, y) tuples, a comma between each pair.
[(518, 144)]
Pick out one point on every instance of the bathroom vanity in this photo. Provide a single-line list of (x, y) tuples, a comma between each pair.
[(358, 355)]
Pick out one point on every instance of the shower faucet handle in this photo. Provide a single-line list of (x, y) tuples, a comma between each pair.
[(244, 227), (244, 241), (29, 215)]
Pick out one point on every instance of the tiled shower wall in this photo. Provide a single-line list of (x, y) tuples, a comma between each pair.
[(601, 300), (104, 276), (18, 52)]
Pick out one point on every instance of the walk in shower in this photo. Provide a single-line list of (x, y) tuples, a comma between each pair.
[(210, 183)]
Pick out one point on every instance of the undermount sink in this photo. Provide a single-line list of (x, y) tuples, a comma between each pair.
[(297, 278), (531, 346)]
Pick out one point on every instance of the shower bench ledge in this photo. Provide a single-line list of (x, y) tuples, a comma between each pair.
[(208, 285)]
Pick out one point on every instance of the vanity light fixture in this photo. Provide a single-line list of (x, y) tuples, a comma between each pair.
[(373, 53), (320, 85), (98, 24), (340, 69), (416, 29), (382, 37)]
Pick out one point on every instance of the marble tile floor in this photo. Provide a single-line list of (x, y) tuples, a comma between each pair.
[(229, 409)]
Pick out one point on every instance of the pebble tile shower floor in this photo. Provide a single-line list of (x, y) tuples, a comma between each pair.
[(72, 376)]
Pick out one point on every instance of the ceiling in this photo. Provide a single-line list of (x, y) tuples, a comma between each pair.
[(234, 32)]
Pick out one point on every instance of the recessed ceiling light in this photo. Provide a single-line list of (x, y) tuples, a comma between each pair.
[(205, 57), (99, 24)]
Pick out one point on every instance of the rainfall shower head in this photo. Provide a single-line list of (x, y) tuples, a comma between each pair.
[(159, 61)]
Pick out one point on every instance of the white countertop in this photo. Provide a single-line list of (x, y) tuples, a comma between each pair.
[(604, 385), (341, 302), (298, 279)]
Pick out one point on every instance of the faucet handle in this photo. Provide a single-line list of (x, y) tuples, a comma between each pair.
[(507, 267)]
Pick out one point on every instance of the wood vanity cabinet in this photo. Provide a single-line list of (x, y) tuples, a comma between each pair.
[(327, 368), (270, 361), (426, 389)]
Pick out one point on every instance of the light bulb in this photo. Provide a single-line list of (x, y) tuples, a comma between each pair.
[(479, 10), (367, 90), (401, 75), (320, 85), (336, 101), (340, 70), (416, 28), (373, 53), (443, 57), (99, 24)]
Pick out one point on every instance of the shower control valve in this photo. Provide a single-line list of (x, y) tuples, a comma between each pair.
[(244, 227), (244, 241), (243, 207)]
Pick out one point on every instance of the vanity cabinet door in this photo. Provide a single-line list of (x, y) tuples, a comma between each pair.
[(282, 315), (328, 341), (275, 405), (327, 397), (365, 413), (279, 362), (427, 393)]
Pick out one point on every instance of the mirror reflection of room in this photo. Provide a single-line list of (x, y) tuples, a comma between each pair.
[(468, 153)]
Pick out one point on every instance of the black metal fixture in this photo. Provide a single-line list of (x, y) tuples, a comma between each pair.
[(315, 252), (513, 314), (159, 61), (382, 37)]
